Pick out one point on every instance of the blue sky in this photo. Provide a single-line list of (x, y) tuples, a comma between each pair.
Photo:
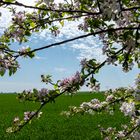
[(61, 61)]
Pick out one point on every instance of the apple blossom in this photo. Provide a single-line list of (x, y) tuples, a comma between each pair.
[(128, 109)]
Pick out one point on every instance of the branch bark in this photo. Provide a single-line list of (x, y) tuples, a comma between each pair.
[(79, 37), (48, 9)]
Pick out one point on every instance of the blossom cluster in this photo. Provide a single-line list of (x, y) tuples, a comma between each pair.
[(129, 105), (94, 104), (28, 115), (71, 84), (19, 17), (18, 123), (24, 50), (128, 108), (126, 134), (17, 34), (7, 63), (95, 87), (41, 95), (114, 12), (110, 9), (17, 31)]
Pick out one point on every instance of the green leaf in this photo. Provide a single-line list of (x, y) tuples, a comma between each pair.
[(2, 71), (62, 23), (27, 33), (35, 91), (9, 0), (55, 86), (31, 55), (63, 14), (92, 80), (32, 24), (10, 72)]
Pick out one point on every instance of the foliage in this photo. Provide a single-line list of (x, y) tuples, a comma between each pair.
[(114, 21)]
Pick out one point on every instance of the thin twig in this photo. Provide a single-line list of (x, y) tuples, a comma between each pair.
[(57, 95), (79, 37), (36, 113), (133, 129), (132, 8), (49, 9), (98, 3), (58, 19)]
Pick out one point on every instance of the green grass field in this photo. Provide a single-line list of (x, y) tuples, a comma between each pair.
[(52, 126)]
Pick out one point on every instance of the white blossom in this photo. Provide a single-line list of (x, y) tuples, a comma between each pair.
[(110, 98), (95, 101), (128, 108), (121, 134)]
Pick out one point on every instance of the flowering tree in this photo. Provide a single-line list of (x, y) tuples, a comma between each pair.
[(114, 21)]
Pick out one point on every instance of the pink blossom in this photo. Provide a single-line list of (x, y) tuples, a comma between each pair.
[(72, 83)]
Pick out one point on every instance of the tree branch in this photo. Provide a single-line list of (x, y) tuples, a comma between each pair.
[(58, 19), (132, 8), (98, 3), (137, 36), (48, 9), (36, 113), (120, 4), (133, 129), (79, 37), (57, 95)]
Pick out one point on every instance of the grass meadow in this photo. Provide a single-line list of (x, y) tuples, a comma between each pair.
[(53, 126)]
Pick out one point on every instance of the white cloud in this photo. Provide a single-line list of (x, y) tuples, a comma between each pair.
[(39, 58), (91, 52), (27, 2), (60, 69), (70, 29), (5, 19), (89, 47)]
